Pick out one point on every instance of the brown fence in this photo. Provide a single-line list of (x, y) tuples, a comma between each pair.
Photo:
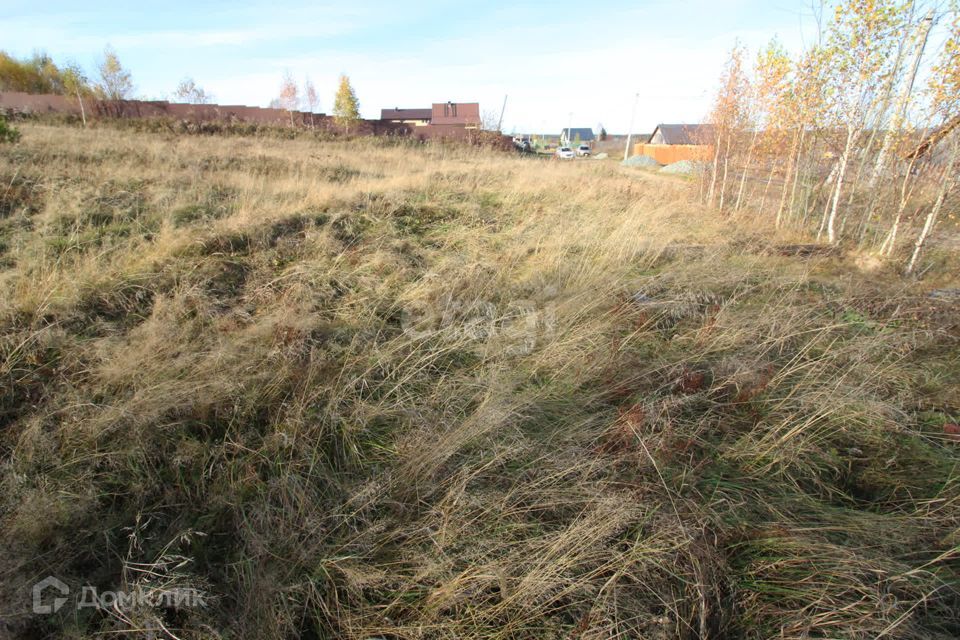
[(31, 104), (13, 102), (670, 153)]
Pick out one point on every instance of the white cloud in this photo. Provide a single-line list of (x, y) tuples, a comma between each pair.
[(88, 32)]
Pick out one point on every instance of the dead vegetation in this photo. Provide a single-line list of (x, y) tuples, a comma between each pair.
[(371, 392)]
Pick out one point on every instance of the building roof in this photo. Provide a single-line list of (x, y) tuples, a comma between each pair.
[(585, 134), (685, 133), (405, 114)]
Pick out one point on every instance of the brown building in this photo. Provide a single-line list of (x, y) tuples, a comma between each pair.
[(415, 117), (465, 114), (444, 114)]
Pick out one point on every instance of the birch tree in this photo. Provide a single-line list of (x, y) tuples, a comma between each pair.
[(944, 90), (310, 97), (895, 126), (803, 109), (346, 107), (728, 116), (289, 98), (115, 82), (861, 40), (771, 78), (948, 182), (76, 83), (190, 92)]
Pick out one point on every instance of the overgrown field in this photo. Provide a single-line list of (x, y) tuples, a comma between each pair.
[(374, 391)]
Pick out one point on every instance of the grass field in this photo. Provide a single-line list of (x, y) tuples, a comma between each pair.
[(367, 390)]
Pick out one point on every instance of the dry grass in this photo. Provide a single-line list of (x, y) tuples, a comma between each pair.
[(375, 391)]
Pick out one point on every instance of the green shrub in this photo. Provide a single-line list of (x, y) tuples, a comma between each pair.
[(7, 133)]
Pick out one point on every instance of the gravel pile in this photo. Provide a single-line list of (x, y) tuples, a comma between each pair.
[(640, 161), (684, 167)]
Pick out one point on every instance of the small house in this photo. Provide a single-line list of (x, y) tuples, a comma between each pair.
[(691, 134), (671, 143), (415, 117), (574, 136)]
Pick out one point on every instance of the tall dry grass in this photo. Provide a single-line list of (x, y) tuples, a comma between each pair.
[(374, 391)]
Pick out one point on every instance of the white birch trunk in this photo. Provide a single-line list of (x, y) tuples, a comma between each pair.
[(766, 187), (792, 168), (838, 189), (796, 177), (743, 177), (83, 113), (716, 169), (723, 183), (949, 180), (900, 112), (890, 242), (826, 206)]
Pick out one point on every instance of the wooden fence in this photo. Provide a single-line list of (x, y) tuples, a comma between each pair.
[(670, 153)]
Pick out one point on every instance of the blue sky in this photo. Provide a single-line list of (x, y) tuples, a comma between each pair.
[(553, 59)]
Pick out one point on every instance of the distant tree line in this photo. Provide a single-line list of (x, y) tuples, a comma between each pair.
[(40, 74)]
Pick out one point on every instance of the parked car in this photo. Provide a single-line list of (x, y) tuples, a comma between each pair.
[(583, 150), (565, 153)]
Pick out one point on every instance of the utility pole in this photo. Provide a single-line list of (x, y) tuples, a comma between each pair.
[(502, 109), (633, 114), (569, 134)]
